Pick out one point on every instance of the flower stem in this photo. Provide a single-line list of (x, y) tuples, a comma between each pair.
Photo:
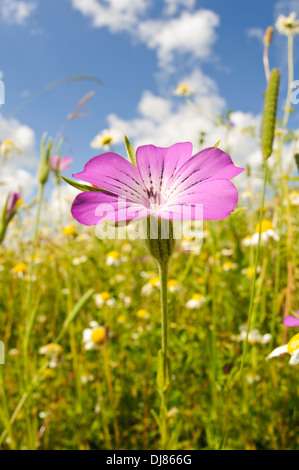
[(253, 286), (163, 373), (111, 394), (290, 80)]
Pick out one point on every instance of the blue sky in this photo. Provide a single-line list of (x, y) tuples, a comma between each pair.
[(139, 55)]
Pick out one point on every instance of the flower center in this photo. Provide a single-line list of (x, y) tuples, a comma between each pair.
[(98, 336), (266, 225), (107, 140), (105, 295), (154, 198), (293, 344)]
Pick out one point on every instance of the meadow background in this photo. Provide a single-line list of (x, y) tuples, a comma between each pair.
[(86, 73)]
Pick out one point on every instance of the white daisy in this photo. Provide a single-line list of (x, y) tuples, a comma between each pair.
[(106, 138), (94, 337), (196, 301), (287, 24), (292, 348)]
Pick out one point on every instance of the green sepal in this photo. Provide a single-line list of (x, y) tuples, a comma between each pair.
[(44, 165), (160, 248), (82, 187), (130, 151)]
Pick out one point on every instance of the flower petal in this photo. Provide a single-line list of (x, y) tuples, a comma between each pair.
[(65, 163), (291, 321), (157, 165), (210, 163), (218, 198), (113, 173), (278, 351), (90, 207), (294, 359)]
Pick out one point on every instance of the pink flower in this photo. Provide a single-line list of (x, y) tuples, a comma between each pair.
[(164, 181), (12, 204), (59, 164), (291, 320)]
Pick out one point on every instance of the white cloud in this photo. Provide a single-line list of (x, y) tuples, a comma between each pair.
[(117, 15), (285, 7), (192, 33), (255, 33), (16, 173), (16, 11), (163, 121), (58, 206), (172, 6), (23, 137)]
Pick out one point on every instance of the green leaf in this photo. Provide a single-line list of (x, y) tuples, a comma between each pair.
[(130, 151), (74, 312)]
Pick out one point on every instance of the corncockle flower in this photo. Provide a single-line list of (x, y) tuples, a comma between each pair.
[(292, 348), (11, 206), (163, 183), (59, 164), (14, 200), (290, 320)]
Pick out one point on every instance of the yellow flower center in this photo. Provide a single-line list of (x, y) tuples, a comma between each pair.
[(98, 335), (20, 268), (105, 295), (197, 297), (113, 254), (69, 230), (107, 140), (172, 283), (154, 281), (293, 344), (250, 272), (228, 265), (8, 143), (121, 318), (142, 313), (266, 225)]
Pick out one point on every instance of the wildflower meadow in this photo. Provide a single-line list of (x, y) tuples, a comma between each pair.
[(149, 288)]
